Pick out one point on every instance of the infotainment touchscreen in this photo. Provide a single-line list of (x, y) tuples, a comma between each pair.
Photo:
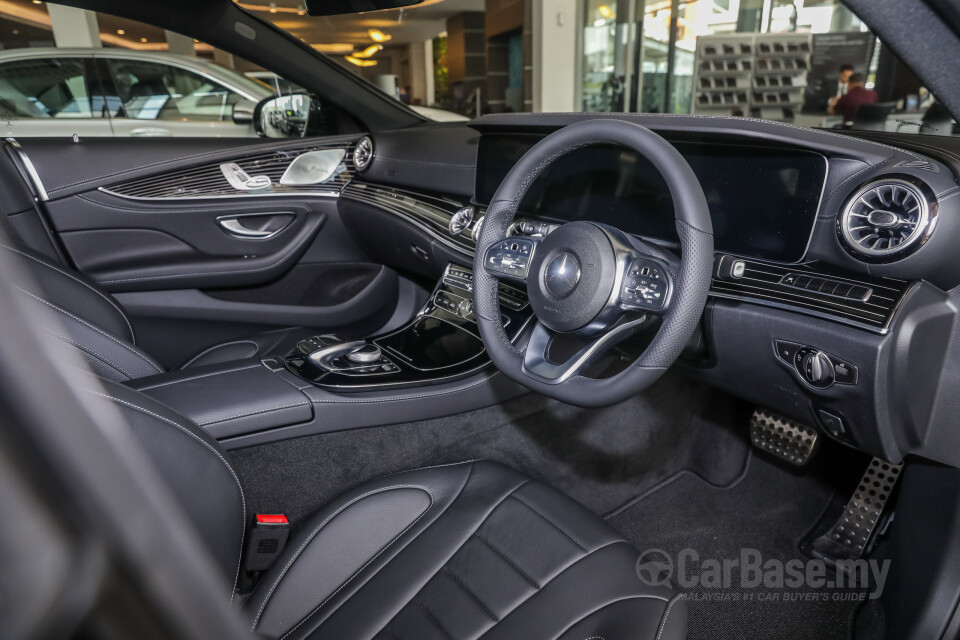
[(763, 200)]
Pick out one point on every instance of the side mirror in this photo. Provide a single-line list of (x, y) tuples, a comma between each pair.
[(243, 111), (287, 116)]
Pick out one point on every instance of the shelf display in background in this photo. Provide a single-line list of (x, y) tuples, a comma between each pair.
[(758, 75)]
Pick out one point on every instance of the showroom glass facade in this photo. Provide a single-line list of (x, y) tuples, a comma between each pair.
[(642, 55)]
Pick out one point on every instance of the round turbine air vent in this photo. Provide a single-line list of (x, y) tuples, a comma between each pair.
[(363, 154), (885, 219)]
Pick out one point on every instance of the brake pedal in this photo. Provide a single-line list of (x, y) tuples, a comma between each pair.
[(784, 438), (851, 536)]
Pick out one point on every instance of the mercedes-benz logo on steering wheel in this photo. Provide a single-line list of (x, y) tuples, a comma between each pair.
[(563, 274)]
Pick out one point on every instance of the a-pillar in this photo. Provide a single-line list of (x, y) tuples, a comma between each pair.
[(556, 50)]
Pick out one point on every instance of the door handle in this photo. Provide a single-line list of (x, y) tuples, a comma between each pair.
[(255, 226)]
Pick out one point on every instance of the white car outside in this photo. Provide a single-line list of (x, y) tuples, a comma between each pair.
[(117, 92)]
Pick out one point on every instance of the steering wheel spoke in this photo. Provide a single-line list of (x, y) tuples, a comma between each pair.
[(510, 258), (538, 365)]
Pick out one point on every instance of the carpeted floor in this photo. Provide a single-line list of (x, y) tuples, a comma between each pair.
[(671, 469), (769, 508), (602, 458)]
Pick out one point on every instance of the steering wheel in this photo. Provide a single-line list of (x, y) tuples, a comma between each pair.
[(592, 280)]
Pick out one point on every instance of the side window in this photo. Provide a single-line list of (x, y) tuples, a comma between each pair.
[(158, 91), (45, 88)]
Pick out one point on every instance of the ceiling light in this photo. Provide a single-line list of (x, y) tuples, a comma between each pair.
[(273, 7), (37, 2), (378, 36), (143, 40), (301, 10), (334, 47), (369, 51), (606, 12), (121, 32), (361, 63)]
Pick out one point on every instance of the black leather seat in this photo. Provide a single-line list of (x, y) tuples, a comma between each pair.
[(94, 323), (460, 551)]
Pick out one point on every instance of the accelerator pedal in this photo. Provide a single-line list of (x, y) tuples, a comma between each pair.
[(853, 533), (788, 440)]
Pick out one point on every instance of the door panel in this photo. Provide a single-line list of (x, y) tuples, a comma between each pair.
[(145, 219)]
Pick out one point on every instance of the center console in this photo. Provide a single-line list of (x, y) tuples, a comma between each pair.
[(441, 343)]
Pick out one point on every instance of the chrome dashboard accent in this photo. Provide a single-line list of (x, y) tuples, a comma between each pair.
[(208, 181), (461, 221), (887, 219), (31, 170), (432, 214), (363, 154), (762, 283)]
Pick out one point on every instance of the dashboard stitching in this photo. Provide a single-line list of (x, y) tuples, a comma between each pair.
[(851, 178), (733, 120)]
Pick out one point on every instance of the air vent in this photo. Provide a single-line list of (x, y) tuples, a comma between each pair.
[(886, 219), (363, 154)]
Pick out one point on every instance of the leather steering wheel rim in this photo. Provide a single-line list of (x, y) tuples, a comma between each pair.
[(690, 282)]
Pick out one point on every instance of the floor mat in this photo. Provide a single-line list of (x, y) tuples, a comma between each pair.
[(600, 457), (769, 509)]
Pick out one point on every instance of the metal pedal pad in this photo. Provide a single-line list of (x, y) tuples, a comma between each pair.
[(850, 537), (788, 440)]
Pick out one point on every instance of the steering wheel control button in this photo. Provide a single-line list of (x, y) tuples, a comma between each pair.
[(510, 257), (645, 285), (563, 275)]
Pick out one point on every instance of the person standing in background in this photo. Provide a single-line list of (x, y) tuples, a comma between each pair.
[(843, 79), (856, 95)]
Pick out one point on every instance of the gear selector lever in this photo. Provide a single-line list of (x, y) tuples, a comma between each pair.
[(356, 351)]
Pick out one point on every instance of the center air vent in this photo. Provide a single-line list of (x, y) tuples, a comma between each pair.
[(885, 219)]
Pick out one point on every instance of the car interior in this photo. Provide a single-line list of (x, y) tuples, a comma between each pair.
[(482, 369)]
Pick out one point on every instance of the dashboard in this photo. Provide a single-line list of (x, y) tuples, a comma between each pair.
[(763, 199), (828, 245)]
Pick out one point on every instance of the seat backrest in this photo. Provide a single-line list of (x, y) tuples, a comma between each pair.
[(192, 463), (88, 318)]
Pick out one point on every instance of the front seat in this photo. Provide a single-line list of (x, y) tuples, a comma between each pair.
[(466, 550), (91, 321)]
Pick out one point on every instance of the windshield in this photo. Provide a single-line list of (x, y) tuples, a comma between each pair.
[(811, 63)]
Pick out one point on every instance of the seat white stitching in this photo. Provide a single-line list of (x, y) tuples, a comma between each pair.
[(103, 333), (79, 281), (663, 621), (243, 500), (187, 364), (90, 352), (257, 412), (459, 493), (314, 533)]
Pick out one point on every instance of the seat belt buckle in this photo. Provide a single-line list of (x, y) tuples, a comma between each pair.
[(267, 539)]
